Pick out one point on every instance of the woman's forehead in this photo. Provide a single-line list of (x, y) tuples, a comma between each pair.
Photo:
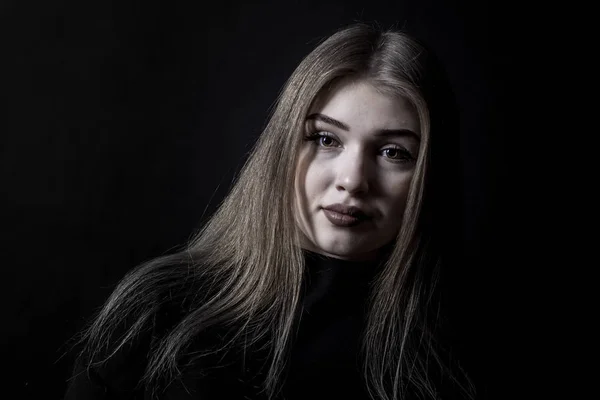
[(359, 104)]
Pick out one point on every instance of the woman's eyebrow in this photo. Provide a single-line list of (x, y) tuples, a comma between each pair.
[(385, 133), (329, 120), (398, 133)]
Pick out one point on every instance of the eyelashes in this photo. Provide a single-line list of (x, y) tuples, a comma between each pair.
[(398, 154), (393, 153), (320, 137)]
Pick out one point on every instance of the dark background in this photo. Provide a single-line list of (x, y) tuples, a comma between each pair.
[(124, 123)]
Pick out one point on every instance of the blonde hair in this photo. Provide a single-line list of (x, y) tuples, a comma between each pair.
[(247, 258)]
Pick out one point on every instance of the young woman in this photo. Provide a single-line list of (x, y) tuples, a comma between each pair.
[(315, 277)]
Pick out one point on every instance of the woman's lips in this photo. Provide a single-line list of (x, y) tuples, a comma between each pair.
[(343, 220)]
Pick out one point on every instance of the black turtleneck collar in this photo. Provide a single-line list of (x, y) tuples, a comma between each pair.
[(313, 257), (325, 358), (327, 276)]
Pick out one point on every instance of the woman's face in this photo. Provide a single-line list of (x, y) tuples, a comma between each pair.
[(354, 170)]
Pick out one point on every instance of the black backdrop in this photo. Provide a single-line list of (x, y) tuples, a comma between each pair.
[(124, 123)]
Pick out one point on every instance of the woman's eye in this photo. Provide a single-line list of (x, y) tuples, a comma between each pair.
[(322, 139), (326, 141), (397, 154)]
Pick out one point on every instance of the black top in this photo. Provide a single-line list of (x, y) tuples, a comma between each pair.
[(324, 361)]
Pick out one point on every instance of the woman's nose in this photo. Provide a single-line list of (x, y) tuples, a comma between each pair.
[(352, 174)]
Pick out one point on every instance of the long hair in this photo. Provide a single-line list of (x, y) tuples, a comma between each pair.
[(245, 267)]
